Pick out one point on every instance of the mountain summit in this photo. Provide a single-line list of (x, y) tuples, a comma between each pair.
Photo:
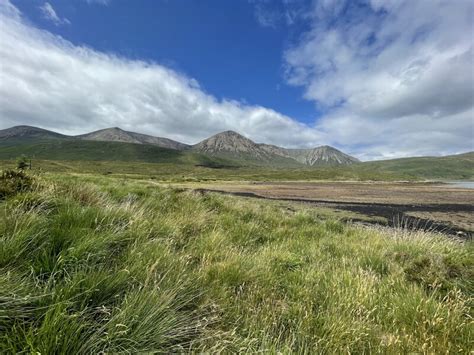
[(234, 145), (28, 132), (231, 143), (324, 155), (116, 134)]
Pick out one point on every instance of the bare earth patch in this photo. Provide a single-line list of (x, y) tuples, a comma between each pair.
[(440, 207)]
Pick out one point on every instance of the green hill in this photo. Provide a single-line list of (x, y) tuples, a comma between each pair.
[(453, 167), (73, 150)]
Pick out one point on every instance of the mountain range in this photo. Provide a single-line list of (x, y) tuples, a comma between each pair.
[(229, 145)]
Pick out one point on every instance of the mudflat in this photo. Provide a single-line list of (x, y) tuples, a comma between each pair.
[(435, 206), (367, 192)]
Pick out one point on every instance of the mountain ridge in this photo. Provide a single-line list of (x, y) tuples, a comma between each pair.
[(24, 131), (228, 144), (116, 134)]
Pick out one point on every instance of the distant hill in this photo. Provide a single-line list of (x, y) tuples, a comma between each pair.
[(76, 149), (223, 150), (229, 145), (460, 166), (116, 134), (324, 155), (230, 142), (19, 133), (233, 145)]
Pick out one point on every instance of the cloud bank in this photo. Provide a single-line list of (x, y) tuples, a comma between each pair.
[(390, 87), (396, 76)]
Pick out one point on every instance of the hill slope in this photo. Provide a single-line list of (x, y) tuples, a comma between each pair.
[(324, 155), (19, 133), (460, 166), (229, 145), (116, 134), (234, 145), (75, 149)]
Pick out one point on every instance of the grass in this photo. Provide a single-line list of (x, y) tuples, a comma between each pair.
[(63, 150), (454, 167), (63, 155), (94, 264), (214, 170)]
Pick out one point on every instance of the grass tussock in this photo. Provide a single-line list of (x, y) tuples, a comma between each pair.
[(96, 264), (13, 182)]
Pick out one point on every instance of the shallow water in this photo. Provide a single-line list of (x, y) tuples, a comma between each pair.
[(461, 184)]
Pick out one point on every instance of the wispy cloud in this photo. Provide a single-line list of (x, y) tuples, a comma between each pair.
[(99, 2), (272, 14), (50, 14)]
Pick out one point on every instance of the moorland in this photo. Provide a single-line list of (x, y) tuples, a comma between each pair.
[(124, 247)]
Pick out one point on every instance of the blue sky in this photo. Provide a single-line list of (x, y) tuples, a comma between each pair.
[(375, 78), (223, 47)]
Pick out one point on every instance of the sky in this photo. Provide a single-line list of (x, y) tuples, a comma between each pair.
[(377, 79)]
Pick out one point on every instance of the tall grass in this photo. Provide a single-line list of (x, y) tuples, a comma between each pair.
[(101, 264)]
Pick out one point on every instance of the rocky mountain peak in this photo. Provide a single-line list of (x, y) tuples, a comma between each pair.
[(323, 155), (228, 141), (116, 134)]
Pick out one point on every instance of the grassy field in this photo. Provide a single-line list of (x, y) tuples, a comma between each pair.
[(192, 171), (98, 263)]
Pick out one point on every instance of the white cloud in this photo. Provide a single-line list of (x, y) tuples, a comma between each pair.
[(396, 76), (50, 14), (49, 82)]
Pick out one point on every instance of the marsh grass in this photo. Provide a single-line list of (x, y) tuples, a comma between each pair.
[(102, 264)]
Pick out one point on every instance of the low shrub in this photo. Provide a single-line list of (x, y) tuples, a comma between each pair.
[(13, 182)]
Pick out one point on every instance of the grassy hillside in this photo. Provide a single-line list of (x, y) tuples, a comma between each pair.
[(100, 264), (75, 150), (451, 167), (244, 159)]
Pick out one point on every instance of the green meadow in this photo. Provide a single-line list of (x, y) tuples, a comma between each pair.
[(94, 263)]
